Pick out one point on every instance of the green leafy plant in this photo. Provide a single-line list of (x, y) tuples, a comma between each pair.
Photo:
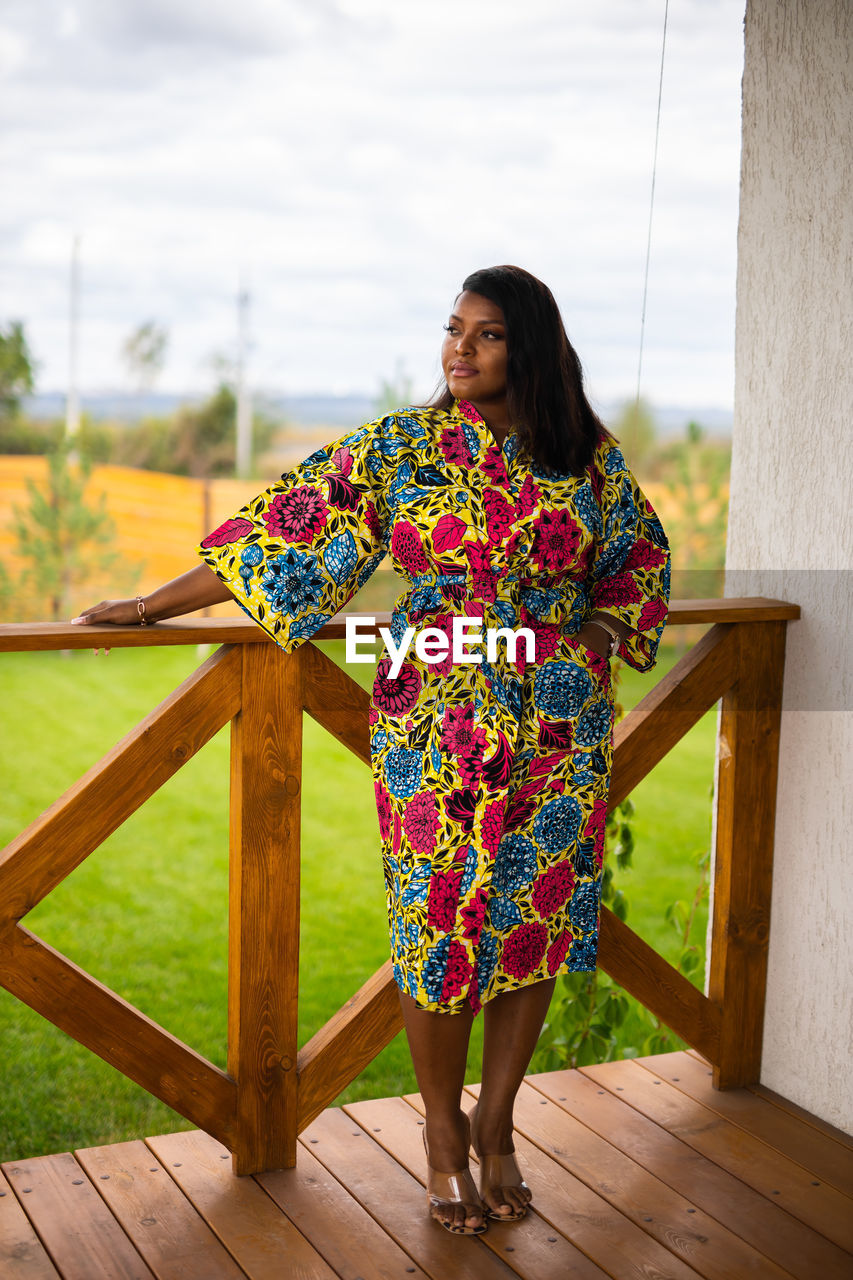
[(590, 1009), (682, 917), (591, 1018)]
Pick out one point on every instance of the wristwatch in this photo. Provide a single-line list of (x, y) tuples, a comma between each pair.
[(615, 638)]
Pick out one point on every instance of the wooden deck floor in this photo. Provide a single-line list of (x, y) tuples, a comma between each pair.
[(639, 1169)]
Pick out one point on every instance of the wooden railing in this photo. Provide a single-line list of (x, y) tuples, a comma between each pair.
[(273, 1087)]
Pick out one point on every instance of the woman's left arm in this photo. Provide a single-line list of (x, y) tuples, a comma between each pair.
[(628, 584)]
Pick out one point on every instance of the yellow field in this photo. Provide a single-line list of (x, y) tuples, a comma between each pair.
[(159, 518)]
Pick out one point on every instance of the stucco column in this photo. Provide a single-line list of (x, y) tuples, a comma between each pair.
[(791, 522)]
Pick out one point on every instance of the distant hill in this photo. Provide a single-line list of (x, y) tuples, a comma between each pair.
[(309, 410)]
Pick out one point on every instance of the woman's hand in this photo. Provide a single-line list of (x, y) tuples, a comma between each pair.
[(197, 589), (594, 638), (120, 613)]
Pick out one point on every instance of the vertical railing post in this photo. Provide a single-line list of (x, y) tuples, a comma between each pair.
[(743, 876), (266, 782)]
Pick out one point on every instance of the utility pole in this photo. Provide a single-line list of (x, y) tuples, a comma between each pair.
[(72, 399), (244, 398)]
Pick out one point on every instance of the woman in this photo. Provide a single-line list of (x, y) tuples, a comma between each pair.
[(505, 503)]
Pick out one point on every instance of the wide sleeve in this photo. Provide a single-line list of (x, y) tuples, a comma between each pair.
[(629, 575), (299, 551)]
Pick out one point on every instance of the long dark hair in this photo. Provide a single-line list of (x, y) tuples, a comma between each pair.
[(556, 425)]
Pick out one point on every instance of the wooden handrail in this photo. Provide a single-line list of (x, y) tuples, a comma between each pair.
[(26, 636), (273, 1088)]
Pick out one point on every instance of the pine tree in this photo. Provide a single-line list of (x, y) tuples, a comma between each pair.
[(63, 538)]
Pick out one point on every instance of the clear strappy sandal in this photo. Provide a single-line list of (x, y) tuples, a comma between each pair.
[(497, 1172), (453, 1189)]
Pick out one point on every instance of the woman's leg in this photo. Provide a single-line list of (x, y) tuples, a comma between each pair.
[(513, 1022), (438, 1043)]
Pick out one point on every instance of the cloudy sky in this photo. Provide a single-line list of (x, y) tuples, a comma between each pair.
[(355, 159)]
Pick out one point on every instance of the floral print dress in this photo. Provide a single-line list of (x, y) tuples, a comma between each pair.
[(491, 776)]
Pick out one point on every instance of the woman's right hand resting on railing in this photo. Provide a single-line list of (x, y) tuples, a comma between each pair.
[(196, 589)]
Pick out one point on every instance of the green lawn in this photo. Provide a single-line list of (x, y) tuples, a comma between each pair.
[(147, 912)]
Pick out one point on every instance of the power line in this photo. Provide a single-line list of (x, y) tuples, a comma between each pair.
[(72, 400), (244, 397), (652, 204)]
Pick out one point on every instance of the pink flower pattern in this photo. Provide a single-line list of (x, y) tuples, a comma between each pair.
[(552, 890), (458, 729), (494, 467), (371, 519), (398, 694), (407, 547), (297, 516), (523, 950), (500, 515), (473, 915), (444, 899), (492, 825), (620, 590), (421, 822), (595, 828), (556, 541), (557, 951), (453, 447), (383, 810), (458, 973)]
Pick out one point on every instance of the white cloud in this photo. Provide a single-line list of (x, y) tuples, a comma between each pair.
[(357, 160)]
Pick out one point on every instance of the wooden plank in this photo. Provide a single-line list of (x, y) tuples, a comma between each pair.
[(670, 708), (75, 1226), (591, 1224), (351, 1039), (263, 947), (781, 1180), (159, 1221), (824, 1157), (748, 754), (731, 609), (23, 637), (785, 1104), (657, 984), (264, 1242), (532, 1247), (352, 1243), (760, 1223), (336, 702), (22, 1254), (51, 847), (396, 1200), (17, 637), (792, 1108), (671, 1216), (120, 1034)]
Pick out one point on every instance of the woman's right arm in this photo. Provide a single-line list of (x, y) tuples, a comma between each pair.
[(196, 589)]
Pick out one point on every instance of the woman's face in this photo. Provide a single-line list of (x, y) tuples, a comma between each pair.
[(473, 354)]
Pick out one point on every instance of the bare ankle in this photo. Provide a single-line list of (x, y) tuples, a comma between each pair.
[(493, 1127)]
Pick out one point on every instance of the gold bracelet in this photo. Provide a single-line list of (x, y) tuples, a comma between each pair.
[(140, 609)]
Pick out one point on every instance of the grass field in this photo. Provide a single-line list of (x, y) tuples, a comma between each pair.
[(147, 912)]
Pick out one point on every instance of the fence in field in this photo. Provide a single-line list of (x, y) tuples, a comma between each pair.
[(159, 519)]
